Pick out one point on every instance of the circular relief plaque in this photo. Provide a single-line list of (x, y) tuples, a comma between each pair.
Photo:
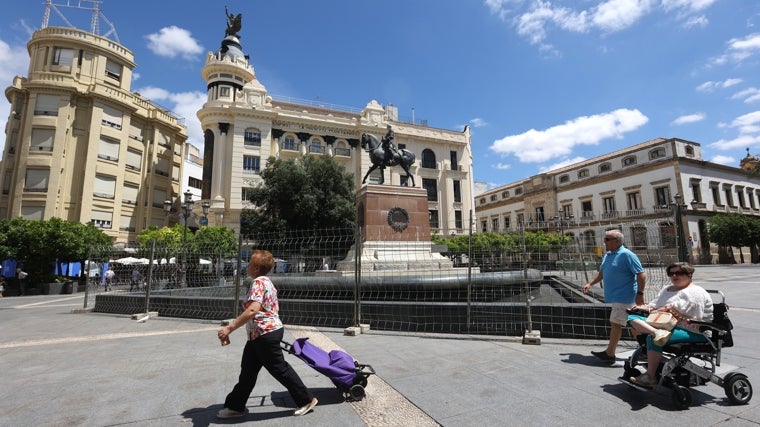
[(398, 219)]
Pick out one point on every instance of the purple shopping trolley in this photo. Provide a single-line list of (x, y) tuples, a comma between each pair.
[(348, 375)]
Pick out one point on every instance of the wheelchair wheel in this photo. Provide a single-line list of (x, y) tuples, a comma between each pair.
[(681, 397), (357, 392), (738, 388)]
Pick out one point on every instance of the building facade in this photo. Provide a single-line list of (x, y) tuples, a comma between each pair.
[(636, 182), (81, 146), (243, 126)]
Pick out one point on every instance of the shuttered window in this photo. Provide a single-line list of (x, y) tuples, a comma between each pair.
[(42, 139), (113, 70), (112, 117), (108, 149), (102, 219), (158, 198), (134, 160), (47, 105), (36, 180), (127, 223), (162, 167), (32, 213), (129, 194), (104, 187)]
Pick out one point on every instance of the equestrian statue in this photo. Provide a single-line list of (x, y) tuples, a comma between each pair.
[(384, 153)]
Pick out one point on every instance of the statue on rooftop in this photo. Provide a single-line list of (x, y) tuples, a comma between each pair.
[(234, 23)]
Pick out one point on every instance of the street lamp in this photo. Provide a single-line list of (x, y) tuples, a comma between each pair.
[(678, 208), (206, 207)]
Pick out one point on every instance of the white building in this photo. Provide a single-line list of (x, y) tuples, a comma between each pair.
[(630, 183)]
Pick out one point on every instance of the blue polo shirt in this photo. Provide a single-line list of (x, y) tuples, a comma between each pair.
[(619, 270)]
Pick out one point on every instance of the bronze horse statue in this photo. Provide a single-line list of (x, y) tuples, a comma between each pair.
[(383, 154)]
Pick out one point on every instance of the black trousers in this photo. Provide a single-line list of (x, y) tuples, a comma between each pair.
[(265, 351)]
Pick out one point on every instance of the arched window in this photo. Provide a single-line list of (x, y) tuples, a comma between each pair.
[(629, 161), (428, 159), (605, 167), (289, 143), (252, 137), (316, 146), (657, 153)]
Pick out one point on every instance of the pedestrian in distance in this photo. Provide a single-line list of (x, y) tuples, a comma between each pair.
[(110, 275), (624, 282), (134, 282), (21, 276), (262, 350)]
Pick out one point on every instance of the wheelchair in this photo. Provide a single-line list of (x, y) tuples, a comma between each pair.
[(686, 365)]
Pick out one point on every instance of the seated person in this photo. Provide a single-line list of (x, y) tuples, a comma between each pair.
[(685, 301)]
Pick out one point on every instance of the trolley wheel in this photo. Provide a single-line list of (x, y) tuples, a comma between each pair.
[(363, 381), (356, 392), (681, 397), (738, 388)]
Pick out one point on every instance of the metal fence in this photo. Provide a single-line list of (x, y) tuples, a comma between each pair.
[(332, 278)]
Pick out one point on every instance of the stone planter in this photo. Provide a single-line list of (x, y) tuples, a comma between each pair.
[(52, 288)]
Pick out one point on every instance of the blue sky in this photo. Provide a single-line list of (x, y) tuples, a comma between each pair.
[(541, 83)]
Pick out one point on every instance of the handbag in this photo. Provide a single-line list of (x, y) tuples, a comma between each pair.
[(662, 320)]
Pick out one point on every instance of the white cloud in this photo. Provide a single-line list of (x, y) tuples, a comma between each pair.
[(172, 42), (502, 166), (724, 160), (478, 122), (689, 118), (558, 141), (739, 49), (534, 19), (710, 85), (749, 95), (185, 104), (749, 133)]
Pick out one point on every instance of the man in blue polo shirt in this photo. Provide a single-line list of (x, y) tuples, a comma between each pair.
[(624, 282)]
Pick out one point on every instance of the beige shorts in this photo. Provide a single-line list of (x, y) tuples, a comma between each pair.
[(619, 315)]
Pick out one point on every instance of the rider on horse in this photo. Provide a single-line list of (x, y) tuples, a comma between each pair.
[(388, 146)]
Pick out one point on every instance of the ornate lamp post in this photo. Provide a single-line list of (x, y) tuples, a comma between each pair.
[(678, 208), (187, 209), (206, 207)]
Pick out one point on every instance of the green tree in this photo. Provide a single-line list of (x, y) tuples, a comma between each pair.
[(314, 192), (729, 230)]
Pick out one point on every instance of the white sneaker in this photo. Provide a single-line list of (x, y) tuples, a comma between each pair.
[(306, 408), (229, 413), (661, 337)]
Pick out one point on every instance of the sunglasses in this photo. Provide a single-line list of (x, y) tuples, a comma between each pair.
[(677, 273)]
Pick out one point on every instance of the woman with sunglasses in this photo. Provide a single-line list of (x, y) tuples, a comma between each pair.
[(685, 301)]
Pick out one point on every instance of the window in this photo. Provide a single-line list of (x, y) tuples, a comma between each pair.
[(47, 105), (629, 161), (540, 214), (251, 164), (495, 225), (493, 197), (484, 226), (108, 149), (696, 192), (102, 219), (136, 131), (518, 191), (482, 200), (134, 160), (505, 194), (433, 218), (428, 159), (42, 139), (662, 196), (583, 173), (194, 182), (605, 167), (609, 207), (457, 219), (431, 186), (252, 137), (128, 223), (159, 196), (7, 181), (454, 162), (113, 70), (639, 237), (111, 117), (563, 179), (506, 222), (62, 57), (342, 150), (175, 173), (520, 219), (689, 150), (457, 191), (740, 196), (656, 153), (588, 209), (162, 167), (246, 194), (32, 213), (289, 143), (567, 211), (729, 197), (667, 234), (750, 198), (715, 194), (105, 186), (36, 180), (316, 146), (224, 92), (129, 194), (634, 202)]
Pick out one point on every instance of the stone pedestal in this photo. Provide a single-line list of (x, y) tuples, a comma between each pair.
[(395, 232)]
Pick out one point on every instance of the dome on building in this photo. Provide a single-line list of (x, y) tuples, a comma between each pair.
[(232, 49)]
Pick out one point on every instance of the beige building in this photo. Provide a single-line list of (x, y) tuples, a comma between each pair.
[(81, 146), (634, 183), (243, 126)]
